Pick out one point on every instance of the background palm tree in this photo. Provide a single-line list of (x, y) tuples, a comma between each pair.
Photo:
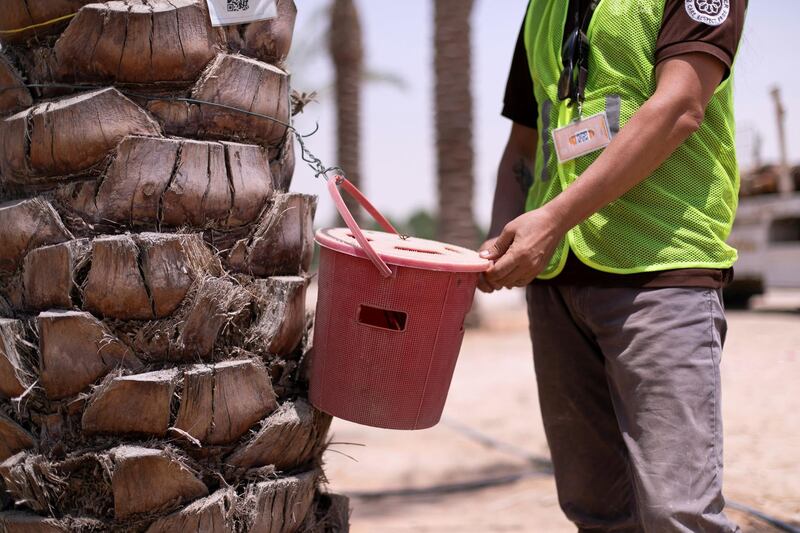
[(347, 52), (454, 148)]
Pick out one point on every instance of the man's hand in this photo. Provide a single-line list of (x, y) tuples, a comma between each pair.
[(513, 181), (483, 283), (522, 250)]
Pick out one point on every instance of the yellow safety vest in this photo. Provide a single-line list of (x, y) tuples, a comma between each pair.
[(680, 215)]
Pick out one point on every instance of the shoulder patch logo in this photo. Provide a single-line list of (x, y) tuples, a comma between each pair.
[(711, 12)]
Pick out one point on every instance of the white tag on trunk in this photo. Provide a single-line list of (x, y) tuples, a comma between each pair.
[(581, 137), (227, 12)]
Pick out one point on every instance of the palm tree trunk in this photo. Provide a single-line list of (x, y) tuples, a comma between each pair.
[(454, 148), (153, 276), (347, 52)]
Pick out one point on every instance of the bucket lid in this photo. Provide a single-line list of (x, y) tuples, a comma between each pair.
[(408, 252)]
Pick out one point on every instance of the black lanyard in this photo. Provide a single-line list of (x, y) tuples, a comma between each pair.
[(575, 57), (587, 17), (583, 59)]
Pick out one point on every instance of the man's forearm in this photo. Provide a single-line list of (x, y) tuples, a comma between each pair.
[(514, 178), (640, 148), (660, 126)]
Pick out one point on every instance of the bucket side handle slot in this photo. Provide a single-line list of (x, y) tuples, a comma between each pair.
[(382, 318)]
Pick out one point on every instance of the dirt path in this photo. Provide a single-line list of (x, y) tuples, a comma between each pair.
[(494, 391)]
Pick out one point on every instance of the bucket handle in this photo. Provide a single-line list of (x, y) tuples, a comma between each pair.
[(333, 189)]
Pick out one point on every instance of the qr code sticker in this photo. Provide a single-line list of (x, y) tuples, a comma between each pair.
[(238, 5)]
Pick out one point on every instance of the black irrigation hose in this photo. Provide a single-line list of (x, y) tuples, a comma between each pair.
[(543, 464), (544, 467), (771, 520), (448, 488)]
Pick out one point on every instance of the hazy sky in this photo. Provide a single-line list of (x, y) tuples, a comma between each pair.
[(398, 149)]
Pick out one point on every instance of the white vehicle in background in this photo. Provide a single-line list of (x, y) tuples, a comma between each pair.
[(767, 234), (767, 227)]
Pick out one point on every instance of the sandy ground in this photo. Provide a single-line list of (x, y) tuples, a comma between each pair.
[(494, 392)]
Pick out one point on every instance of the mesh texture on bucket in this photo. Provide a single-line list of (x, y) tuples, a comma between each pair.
[(381, 377)]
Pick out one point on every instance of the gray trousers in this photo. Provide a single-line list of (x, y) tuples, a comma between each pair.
[(629, 389)]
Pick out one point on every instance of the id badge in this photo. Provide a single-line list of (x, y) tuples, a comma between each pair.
[(226, 12), (581, 137)]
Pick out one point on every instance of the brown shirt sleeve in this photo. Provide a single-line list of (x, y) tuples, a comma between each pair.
[(710, 26)]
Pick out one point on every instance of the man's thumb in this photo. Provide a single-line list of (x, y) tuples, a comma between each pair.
[(498, 247), (487, 250)]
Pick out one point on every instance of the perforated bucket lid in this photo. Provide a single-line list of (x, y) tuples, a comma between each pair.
[(408, 252)]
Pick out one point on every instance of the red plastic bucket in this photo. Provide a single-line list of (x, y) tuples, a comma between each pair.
[(389, 321)]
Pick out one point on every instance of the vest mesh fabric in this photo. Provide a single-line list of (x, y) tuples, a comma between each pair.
[(680, 215)]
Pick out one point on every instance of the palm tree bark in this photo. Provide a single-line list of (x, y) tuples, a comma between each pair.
[(454, 148), (347, 52), (153, 270)]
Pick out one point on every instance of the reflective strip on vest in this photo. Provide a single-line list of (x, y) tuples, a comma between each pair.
[(613, 102), (547, 108)]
